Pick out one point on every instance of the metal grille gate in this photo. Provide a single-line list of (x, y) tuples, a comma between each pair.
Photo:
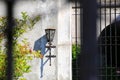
[(109, 39), (108, 31), (76, 39)]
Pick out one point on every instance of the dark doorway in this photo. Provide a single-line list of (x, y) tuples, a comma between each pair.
[(109, 48)]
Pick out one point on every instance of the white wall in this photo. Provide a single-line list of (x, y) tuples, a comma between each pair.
[(48, 13), (2, 8), (54, 14), (64, 42)]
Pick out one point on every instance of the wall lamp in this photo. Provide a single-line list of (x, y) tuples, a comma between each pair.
[(50, 36)]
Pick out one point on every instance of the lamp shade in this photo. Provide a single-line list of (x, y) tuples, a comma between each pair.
[(50, 34)]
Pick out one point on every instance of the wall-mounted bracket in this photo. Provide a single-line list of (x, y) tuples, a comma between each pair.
[(50, 55)]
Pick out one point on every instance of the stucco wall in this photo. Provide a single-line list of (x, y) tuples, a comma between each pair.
[(48, 13), (2, 8), (64, 42), (54, 14)]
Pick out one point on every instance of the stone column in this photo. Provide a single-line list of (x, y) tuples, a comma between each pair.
[(64, 55)]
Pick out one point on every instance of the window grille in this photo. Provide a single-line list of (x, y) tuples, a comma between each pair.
[(76, 40), (109, 39)]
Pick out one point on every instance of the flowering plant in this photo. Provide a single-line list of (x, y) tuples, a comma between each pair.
[(22, 53)]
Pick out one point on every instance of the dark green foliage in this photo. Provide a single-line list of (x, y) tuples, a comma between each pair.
[(75, 55), (75, 51)]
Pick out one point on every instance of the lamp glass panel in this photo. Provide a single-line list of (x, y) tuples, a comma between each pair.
[(50, 34)]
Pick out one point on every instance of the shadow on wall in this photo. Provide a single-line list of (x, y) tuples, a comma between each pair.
[(109, 49), (40, 44)]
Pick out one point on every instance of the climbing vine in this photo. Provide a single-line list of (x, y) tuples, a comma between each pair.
[(22, 52)]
